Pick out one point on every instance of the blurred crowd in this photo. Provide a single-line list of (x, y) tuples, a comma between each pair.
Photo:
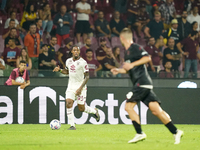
[(42, 33)]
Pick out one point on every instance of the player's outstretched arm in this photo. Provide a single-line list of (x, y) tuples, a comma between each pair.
[(63, 71), (116, 71), (143, 60)]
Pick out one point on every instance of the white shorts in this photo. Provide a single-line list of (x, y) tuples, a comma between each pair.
[(81, 99)]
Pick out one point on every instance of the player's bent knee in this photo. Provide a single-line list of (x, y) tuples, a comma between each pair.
[(81, 108)]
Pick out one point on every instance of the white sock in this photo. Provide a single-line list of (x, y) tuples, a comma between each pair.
[(89, 110), (70, 115)]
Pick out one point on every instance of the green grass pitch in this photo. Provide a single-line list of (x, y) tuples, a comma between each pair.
[(95, 137)]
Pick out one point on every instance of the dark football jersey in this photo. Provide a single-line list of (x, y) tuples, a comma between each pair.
[(138, 74)]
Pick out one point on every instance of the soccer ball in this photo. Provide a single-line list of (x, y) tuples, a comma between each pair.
[(19, 80), (55, 124)]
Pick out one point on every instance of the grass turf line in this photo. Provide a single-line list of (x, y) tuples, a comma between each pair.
[(95, 137)]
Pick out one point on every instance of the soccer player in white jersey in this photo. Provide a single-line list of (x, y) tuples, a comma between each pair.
[(78, 71)]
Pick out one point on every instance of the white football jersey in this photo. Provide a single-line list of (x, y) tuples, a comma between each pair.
[(76, 70)]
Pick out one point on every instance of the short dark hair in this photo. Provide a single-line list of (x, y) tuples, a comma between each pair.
[(151, 38), (44, 45), (12, 12), (13, 28), (53, 37), (22, 62), (89, 50), (12, 20), (12, 39), (33, 24), (193, 33), (36, 21)]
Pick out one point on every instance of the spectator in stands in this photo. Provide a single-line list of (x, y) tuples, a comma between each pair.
[(116, 53), (196, 3), (147, 5), (108, 63), (191, 47), (155, 27), (54, 9), (13, 35), (3, 5), (19, 72), (41, 4), (172, 33), (158, 2), (194, 26), (168, 12), (10, 55), (142, 19), (45, 15), (154, 10), (46, 62), (12, 16), (155, 54), (64, 53), (88, 44), (29, 17), (167, 72), (6, 32), (194, 16), (24, 56), (63, 21), (82, 24), (2, 67), (101, 51), (116, 24), (32, 43), (188, 5), (39, 30), (184, 27), (93, 64), (102, 26), (172, 54), (133, 8), (51, 45)]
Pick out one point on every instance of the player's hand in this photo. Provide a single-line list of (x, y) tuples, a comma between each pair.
[(115, 71), (56, 69), (78, 92), (23, 85), (128, 66), (153, 69)]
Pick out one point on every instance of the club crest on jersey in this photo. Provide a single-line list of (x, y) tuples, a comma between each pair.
[(70, 62), (72, 68), (78, 63), (128, 52)]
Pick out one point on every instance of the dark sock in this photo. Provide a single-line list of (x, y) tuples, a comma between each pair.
[(137, 127), (171, 127)]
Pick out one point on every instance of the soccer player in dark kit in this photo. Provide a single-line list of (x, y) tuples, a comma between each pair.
[(135, 59)]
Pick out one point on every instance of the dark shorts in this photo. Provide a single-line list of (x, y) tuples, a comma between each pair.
[(82, 27), (142, 94)]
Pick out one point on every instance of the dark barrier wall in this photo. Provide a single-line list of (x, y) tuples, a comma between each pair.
[(42, 104)]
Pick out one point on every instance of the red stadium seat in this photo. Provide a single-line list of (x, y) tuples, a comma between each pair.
[(95, 44), (108, 16), (106, 3), (95, 17), (74, 18)]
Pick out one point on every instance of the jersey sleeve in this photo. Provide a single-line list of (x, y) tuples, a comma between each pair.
[(85, 67), (141, 52), (13, 75)]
